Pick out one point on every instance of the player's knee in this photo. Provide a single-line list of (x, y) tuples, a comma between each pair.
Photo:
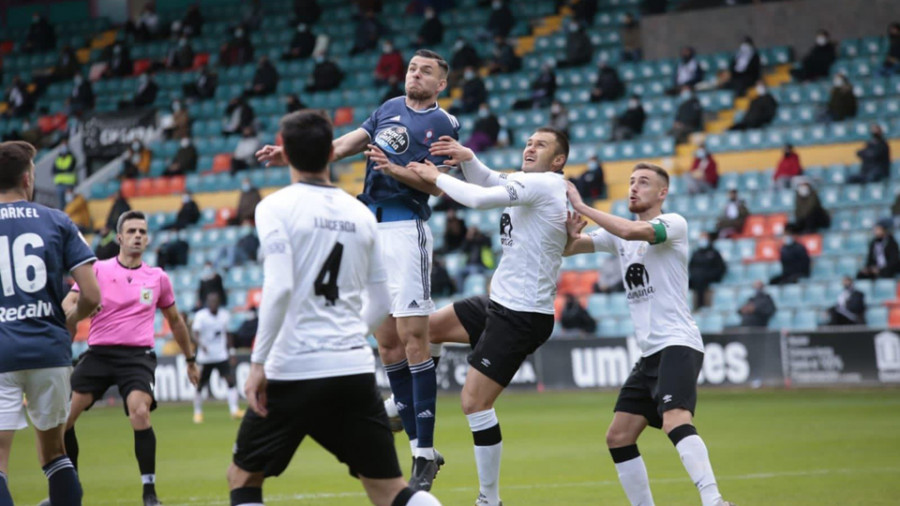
[(140, 414), (472, 404), (676, 418), (616, 437), (239, 478), (391, 353)]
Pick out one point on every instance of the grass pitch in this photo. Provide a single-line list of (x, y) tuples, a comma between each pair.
[(799, 447)]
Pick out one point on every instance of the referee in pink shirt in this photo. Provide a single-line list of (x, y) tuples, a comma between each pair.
[(121, 341)]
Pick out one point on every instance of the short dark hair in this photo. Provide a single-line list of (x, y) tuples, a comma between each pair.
[(562, 140), (442, 63), (15, 160), (129, 215), (307, 137), (661, 172)]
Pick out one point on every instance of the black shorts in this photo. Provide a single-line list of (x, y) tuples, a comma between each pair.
[(663, 381), (501, 338), (127, 367), (224, 368), (344, 414)]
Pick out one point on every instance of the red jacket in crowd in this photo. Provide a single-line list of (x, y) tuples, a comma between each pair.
[(789, 167), (390, 64)]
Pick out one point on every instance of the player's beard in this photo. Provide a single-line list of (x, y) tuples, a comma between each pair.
[(419, 95), (638, 207)]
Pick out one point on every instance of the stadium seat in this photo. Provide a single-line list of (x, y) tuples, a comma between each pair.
[(775, 224), (144, 187), (767, 250), (877, 317), (223, 215), (129, 188), (221, 162), (812, 242), (884, 290)]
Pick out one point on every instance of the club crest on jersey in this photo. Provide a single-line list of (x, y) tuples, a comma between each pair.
[(506, 228), (146, 296), (393, 140)]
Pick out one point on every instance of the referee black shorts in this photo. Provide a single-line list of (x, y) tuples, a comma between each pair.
[(663, 381), (225, 372), (127, 367), (501, 338), (344, 414)]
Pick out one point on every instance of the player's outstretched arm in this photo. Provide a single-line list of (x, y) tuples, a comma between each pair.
[(473, 170), (270, 155), (576, 242), (81, 304), (400, 173), (619, 227), (467, 194), (349, 144), (183, 338)]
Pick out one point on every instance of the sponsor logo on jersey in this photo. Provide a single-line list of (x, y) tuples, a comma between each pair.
[(39, 309), (637, 279), (393, 140)]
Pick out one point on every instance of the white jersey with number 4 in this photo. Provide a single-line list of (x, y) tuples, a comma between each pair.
[(211, 334), (331, 237), (656, 284), (533, 236)]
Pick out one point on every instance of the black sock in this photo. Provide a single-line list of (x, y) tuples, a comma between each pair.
[(246, 495), (403, 497), (5, 498), (72, 446), (145, 452), (65, 490)]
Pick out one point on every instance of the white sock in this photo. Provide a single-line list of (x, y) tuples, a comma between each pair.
[(435, 349), (390, 407), (423, 498), (413, 444), (486, 430), (695, 458), (233, 400), (634, 479), (148, 479), (198, 403), (427, 453)]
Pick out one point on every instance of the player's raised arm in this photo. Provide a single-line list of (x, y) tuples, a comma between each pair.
[(471, 195), (350, 143), (620, 227), (473, 170)]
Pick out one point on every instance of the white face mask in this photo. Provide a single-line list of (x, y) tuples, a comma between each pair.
[(496, 5), (700, 153), (429, 14), (135, 146), (245, 187), (207, 272), (746, 47), (555, 108), (788, 240), (78, 80), (483, 113), (185, 199), (593, 165), (685, 95), (573, 27), (459, 45), (633, 104), (301, 27), (185, 142), (761, 90), (821, 40), (386, 48), (803, 190), (469, 75), (838, 82), (176, 106), (703, 242)]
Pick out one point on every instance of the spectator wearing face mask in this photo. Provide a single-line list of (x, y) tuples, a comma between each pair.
[(630, 123), (244, 155), (816, 64), (758, 309), (65, 172), (809, 215), (795, 261), (474, 93), (144, 95), (188, 215), (293, 104), (210, 282), (607, 86), (579, 49), (204, 86), (761, 112), (486, 130), (431, 33), (575, 317), (788, 168), (118, 61), (842, 101), (688, 117), (559, 117), (543, 89), (181, 55), (181, 122), (504, 58), (246, 333), (247, 201), (891, 63), (238, 50), (745, 68), (368, 30), (500, 22), (851, 306), (390, 64), (326, 75), (731, 221), (591, 184), (704, 174), (41, 35), (883, 260), (705, 268), (82, 96), (185, 159), (464, 56), (630, 34), (302, 44), (137, 160), (875, 157), (265, 79), (238, 116), (687, 73)]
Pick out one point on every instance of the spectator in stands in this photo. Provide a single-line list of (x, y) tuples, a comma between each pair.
[(501, 21), (247, 201), (172, 253), (543, 89), (761, 111), (238, 50), (883, 260), (180, 126), (584, 11), (180, 55), (105, 244), (575, 317), (431, 33), (688, 117), (20, 101), (205, 85), (326, 75), (82, 96), (302, 44), (243, 251), (891, 63), (579, 49), (185, 159), (265, 79), (118, 62), (390, 64), (66, 64), (464, 56), (252, 14), (745, 69), (474, 93), (293, 103), (244, 156), (705, 268), (394, 89), (307, 11), (731, 222), (630, 35), (591, 184), (630, 123), (210, 282), (144, 95), (504, 57), (609, 279), (704, 174), (442, 285), (77, 210), (607, 86), (479, 256), (758, 309), (559, 117), (41, 35), (65, 172), (809, 215), (246, 333), (875, 157), (29, 133), (188, 215), (238, 116), (455, 232), (192, 22), (788, 168), (816, 64), (146, 26), (795, 261), (851, 306), (486, 130), (841, 101), (120, 205), (137, 160), (368, 30), (688, 73)]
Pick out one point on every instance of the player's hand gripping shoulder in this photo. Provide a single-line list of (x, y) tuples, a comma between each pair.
[(576, 242), (573, 196), (450, 148)]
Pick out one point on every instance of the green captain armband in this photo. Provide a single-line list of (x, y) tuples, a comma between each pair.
[(659, 233)]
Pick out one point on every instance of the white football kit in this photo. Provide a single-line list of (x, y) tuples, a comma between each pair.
[(211, 333)]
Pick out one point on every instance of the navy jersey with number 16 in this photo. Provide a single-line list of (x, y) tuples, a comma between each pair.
[(38, 246)]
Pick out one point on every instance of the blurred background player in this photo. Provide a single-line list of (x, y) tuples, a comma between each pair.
[(121, 343), (312, 371), (215, 352), (38, 246), (401, 131)]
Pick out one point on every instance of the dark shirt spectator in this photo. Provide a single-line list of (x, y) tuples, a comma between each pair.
[(107, 247), (630, 35), (850, 308), (842, 101), (66, 64), (20, 101), (474, 93), (575, 317), (185, 159), (247, 201), (181, 55), (591, 184), (809, 215), (464, 56), (608, 85), (188, 215), (302, 44), (211, 282), (579, 49), (41, 35), (120, 205), (745, 69), (146, 92), (543, 89), (704, 174), (326, 75), (891, 64), (82, 97), (172, 253), (455, 232), (688, 117), (705, 267), (875, 157), (192, 22), (817, 62), (204, 86), (442, 285), (631, 122), (431, 33), (246, 333), (761, 111), (146, 26), (238, 50), (584, 11), (788, 167), (265, 79), (731, 222), (181, 122), (119, 61), (500, 22), (883, 260), (368, 31), (486, 130), (307, 11), (252, 14), (504, 58), (795, 261), (238, 116), (688, 72), (293, 104), (758, 309), (390, 64)]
